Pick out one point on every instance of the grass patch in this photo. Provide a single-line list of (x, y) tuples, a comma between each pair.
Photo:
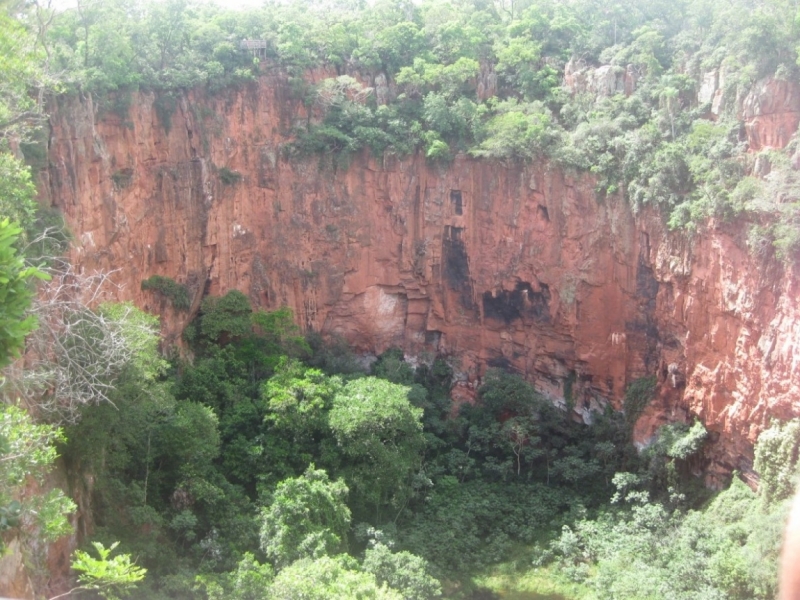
[(508, 581)]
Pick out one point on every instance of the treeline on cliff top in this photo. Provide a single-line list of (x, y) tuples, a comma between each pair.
[(488, 78), (277, 466)]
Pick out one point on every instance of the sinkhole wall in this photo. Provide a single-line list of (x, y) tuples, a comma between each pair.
[(507, 265)]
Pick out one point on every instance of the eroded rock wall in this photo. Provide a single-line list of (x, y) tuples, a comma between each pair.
[(492, 264)]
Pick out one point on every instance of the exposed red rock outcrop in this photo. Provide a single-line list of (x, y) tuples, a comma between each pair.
[(32, 568), (493, 264), (771, 112)]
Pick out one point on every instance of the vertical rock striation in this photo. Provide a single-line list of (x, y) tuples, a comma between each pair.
[(513, 266)]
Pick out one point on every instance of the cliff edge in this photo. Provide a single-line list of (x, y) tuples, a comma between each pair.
[(519, 267)]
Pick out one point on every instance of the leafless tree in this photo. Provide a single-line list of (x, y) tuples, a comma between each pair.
[(78, 351), (336, 90)]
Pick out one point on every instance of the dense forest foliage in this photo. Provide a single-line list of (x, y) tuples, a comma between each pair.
[(262, 463), (278, 466), (485, 78)]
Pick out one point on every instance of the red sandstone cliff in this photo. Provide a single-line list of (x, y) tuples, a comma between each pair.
[(492, 264)]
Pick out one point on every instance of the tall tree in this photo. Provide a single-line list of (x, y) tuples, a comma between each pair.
[(308, 517), (380, 432)]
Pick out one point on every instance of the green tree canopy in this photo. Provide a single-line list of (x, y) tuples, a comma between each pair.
[(299, 398), (402, 571), (776, 460), (329, 578), (228, 316), (307, 517), (16, 293), (380, 432), (27, 451)]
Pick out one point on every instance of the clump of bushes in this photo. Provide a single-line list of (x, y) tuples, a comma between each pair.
[(229, 177), (122, 178), (177, 294), (637, 396)]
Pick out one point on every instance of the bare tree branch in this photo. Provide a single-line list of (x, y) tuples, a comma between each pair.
[(77, 353), (26, 116)]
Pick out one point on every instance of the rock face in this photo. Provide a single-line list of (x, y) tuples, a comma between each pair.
[(602, 81), (491, 264), (32, 569), (771, 112)]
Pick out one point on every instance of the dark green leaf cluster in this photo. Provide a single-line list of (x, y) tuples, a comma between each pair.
[(250, 474), (177, 294), (637, 396), (466, 526), (10, 515), (515, 434), (228, 177), (229, 316)]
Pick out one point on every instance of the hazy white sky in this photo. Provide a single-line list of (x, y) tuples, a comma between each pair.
[(62, 4)]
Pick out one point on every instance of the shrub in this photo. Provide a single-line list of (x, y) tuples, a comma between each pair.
[(122, 178), (177, 294), (229, 177), (229, 315), (637, 396), (776, 460)]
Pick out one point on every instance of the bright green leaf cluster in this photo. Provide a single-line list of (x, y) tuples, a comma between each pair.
[(15, 294), (28, 450), (111, 578), (307, 518), (776, 460)]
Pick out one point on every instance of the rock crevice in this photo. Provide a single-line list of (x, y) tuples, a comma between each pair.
[(518, 267)]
